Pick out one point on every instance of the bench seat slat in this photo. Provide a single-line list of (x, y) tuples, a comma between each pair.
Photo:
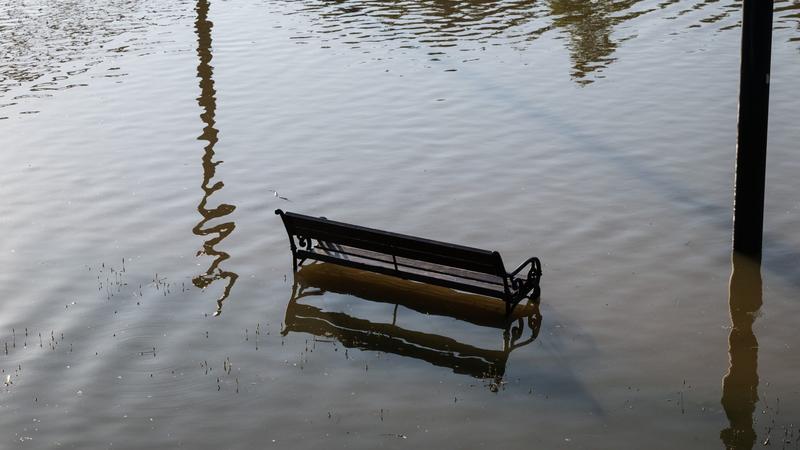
[(402, 269), (344, 251), (454, 271), (410, 274)]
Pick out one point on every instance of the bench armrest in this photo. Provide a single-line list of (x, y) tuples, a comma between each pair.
[(536, 267)]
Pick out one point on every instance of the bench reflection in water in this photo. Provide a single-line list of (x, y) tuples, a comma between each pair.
[(518, 329)]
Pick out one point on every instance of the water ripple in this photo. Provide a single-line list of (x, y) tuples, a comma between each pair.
[(44, 45), (592, 30)]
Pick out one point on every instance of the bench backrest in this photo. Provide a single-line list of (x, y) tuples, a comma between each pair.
[(399, 245)]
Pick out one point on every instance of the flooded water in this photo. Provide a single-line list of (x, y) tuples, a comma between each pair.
[(147, 297)]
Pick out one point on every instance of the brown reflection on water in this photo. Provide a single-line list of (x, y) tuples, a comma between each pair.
[(208, 103), (441, 23), (590, 27), (740, 385), (429, 21), (518, 330)]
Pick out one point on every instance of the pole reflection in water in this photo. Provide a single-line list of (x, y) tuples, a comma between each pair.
[(740, 385), (208, 103), (442, 351)]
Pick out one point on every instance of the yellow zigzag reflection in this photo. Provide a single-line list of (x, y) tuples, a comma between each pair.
[(208, 102)]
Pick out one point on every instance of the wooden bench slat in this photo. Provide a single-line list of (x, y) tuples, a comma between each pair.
[(455, 271), (373, 233), (392, 243), (409, 269), (385, 269), (344, 251), (474, 265)]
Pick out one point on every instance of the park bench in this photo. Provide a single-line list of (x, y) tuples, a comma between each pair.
[(412, 258)]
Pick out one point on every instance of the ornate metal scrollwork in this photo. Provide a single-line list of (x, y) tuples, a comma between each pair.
[(305, 242), (535, 272)]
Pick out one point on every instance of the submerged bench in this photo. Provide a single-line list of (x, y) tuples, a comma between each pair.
[(412, 258)]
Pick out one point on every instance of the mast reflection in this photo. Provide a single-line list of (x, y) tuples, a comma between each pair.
[(442, 351), (208, 103), (740, 385)]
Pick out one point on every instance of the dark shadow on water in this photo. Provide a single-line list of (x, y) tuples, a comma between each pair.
[(518, 330), (740, 384), (208, 103)]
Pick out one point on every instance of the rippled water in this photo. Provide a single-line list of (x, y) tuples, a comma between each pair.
[(147, 296)]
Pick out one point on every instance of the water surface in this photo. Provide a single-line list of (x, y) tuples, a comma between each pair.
[(147, 296)]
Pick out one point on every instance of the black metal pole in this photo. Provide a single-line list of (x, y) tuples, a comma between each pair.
[(751, 148)]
